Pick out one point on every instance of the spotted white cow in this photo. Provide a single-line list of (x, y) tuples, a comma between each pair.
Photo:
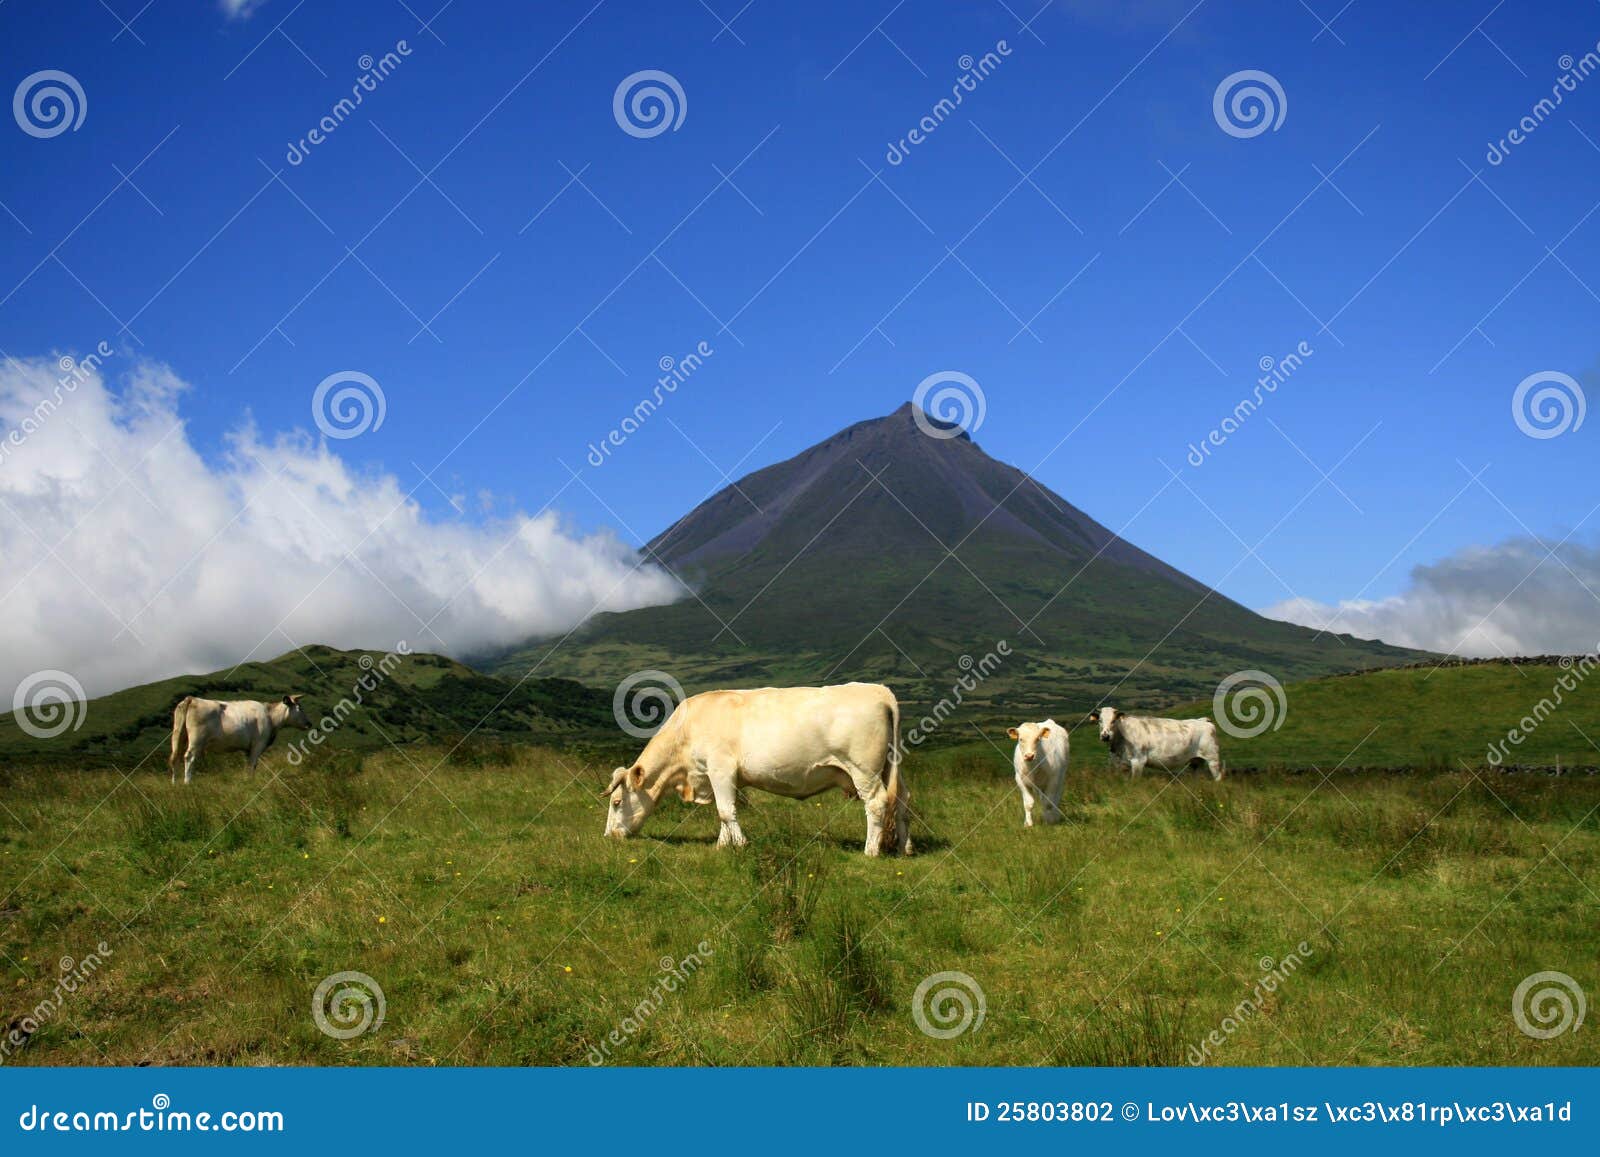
[(1171, 744), (1040, 760), (202, 725), (790, 741)]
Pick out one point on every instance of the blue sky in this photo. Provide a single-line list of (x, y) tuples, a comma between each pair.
[(483, 239)]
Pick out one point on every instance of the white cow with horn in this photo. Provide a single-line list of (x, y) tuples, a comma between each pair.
[(202, 725), (1170, 744), (790, 741)]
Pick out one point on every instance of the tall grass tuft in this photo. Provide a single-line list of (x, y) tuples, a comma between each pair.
[(1145, 1032), (788, 882)]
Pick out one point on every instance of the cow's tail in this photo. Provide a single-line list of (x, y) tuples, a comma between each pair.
[(180, 732), (896, 801)]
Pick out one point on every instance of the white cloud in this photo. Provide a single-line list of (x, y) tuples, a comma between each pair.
[(239, 9), (130, 557), (1513, 598)]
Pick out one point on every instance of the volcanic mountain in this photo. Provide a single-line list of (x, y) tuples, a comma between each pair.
[(890, 554)]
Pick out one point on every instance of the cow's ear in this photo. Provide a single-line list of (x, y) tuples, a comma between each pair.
[(1043, 731), (288, 700), (636, 776), (1011, 731), (1094, 716)]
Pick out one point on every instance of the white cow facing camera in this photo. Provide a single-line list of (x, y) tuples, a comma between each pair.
[(1040, 761)]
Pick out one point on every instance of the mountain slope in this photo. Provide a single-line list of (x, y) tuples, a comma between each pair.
[(887, 554), (421, 697)]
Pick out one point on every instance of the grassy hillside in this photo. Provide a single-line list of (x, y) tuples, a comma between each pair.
[(423, 697), (502, 929), (1429, 717), (808, 627)]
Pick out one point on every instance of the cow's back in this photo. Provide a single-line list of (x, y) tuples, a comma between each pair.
[(783, 727)]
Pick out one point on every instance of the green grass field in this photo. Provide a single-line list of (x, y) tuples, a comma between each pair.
[(502, 929)]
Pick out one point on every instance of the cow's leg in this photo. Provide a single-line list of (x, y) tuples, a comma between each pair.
[(874, 796), (1027, 800), (1052, 797), (1136, 767), (179, 732), (256, 749), (725, 787), (191, 757)]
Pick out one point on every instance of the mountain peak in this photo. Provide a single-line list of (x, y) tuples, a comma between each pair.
[(906, 481)]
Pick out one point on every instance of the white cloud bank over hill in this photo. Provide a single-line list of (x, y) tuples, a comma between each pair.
[(125, 556), (1518, 597)]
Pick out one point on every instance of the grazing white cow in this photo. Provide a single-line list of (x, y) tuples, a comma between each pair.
[(202, 725), (1041, 759), (790, 741), (1172, 744)]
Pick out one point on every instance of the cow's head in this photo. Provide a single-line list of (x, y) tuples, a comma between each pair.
[(630, 805), (1107, 718), (296, 715), (1027, 736)]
